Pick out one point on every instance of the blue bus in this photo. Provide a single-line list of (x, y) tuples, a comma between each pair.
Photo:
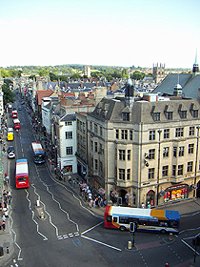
[(39, 155)]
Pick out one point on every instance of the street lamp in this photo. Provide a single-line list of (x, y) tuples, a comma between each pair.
[(158, 172)]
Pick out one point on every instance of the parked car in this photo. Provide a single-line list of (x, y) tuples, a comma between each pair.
[(11, 152)]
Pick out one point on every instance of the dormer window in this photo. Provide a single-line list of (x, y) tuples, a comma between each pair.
[(195, 113), (156, 116), (125, 116), (169, 115), (183, 114)]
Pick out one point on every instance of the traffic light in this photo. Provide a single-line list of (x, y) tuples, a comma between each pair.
[(132, 227)]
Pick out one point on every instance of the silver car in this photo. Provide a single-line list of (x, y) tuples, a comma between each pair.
[(11, 152)]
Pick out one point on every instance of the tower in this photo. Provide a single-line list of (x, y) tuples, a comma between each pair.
[(158, 72), (195, 68)]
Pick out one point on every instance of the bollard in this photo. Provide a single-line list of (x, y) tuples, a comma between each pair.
[(171, 237), (129, 244)]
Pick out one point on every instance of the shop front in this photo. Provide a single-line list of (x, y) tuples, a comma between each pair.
[(176, 192)]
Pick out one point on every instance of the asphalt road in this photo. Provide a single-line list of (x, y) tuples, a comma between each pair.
[(70, 235)]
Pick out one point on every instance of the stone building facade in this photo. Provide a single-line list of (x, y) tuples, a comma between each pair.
[(143, 151)]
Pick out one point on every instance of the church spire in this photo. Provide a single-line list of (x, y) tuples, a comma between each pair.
[(195, 68)]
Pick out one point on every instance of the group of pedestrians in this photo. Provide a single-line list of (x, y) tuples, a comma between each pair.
[(5, 202), (94, 200)]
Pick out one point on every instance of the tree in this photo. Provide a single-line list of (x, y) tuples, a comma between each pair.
[(8, 95), (137, 75)]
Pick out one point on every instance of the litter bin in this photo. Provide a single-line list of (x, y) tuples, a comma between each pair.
[(129, 244), (1, 251)]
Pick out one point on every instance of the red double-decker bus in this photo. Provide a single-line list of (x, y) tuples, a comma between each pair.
[(22, 175)]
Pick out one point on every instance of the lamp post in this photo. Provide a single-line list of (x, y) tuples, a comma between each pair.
[(158, 172)]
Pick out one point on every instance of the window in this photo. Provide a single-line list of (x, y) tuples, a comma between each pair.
[(128, 174), (191, 131), (175, 151), (156, 116), (95, 146), (165, 171), (174, 170), (124, 134), (68, 123), (190, 148), (122, 154), (190, 166), (95, 128), (166, 134), (68, 135), (117, 134), (69, 150), (183, 114), (152, 135), (180, 169), (121, 174), (126, 116), (179, 132), (194, 113), (128, 154), (91, 128), (131, 134), (169, 115), (181, 151), (165, 152), (151, 154), (151, 173)]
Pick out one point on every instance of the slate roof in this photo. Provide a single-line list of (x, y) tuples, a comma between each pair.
[(190, 85)]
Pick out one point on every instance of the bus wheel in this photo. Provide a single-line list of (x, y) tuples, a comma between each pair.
[(163, 231), (122, 228)]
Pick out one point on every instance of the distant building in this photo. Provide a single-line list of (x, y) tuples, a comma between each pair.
[(158, 72)]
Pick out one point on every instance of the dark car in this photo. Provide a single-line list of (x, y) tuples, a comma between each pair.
[(11, 152)]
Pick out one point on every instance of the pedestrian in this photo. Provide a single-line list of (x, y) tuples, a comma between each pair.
[(9, 196), (3, 225), (143, 205)]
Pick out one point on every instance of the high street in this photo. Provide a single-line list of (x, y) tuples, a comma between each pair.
[(63, 231)]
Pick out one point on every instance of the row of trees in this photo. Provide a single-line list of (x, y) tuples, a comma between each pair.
[(8, 94), (76, 72)]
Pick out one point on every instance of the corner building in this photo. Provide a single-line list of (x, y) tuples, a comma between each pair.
[(145, 150)]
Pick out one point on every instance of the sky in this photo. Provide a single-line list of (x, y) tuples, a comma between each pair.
[(100, 32)]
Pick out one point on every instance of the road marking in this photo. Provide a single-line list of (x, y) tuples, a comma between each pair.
[(99, 242), (90, 229), (33, 215), (190, 247)]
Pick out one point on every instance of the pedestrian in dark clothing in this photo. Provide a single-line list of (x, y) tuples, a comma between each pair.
[(3, 225)]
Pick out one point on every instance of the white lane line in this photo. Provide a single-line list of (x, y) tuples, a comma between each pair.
[(14, 240), (99, 242), (59, 205), (190, 247), (33, 215), (49, 216), (90, 229)]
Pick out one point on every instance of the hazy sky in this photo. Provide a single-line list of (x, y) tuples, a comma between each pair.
[(99, 32)]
